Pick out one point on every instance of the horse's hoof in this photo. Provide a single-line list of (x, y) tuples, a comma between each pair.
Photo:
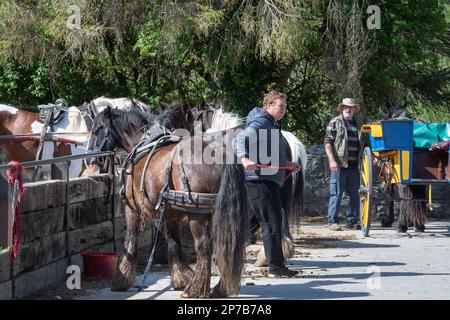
[(185, 295), (217, 293)]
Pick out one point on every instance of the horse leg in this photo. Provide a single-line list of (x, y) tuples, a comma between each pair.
[(418, 213), (127, 263), (199, 285), (180, 272), (412, 212), (287, 244)]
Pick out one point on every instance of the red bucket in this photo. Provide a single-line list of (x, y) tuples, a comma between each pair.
[(100, 264)]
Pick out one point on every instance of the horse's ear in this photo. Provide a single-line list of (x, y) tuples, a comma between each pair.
[(185, 108), (388, 104), (163, 106)]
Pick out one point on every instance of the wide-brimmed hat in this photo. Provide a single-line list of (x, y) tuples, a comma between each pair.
[(349, 102)]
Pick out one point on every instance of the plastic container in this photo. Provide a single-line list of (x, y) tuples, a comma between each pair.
[(100, 264)]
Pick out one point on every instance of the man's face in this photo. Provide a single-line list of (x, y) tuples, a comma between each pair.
[(277, 109), (348, 112)]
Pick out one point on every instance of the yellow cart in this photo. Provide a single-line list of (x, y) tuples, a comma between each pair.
[(392, 148)]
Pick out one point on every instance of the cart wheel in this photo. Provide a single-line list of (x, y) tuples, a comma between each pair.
[(365, 190)]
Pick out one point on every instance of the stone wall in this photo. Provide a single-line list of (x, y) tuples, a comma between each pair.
[(45, 253)]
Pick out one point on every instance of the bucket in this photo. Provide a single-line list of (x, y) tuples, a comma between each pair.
[(100, 264)]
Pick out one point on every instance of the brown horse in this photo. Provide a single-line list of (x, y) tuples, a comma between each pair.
[(222, 231), (14, 121)]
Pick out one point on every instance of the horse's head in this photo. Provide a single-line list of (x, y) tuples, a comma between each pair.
[(114, 128), (177, 116), (203, 115), (395, 111)]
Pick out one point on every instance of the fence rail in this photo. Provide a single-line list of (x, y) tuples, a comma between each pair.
[(31, 164)]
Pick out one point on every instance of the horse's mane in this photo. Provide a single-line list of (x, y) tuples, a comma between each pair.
[(223, 120), (127, 121), (171, 115)]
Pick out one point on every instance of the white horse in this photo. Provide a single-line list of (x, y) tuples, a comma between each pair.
[(121, 103), (14, 121)]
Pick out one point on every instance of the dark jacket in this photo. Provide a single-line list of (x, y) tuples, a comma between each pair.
[(336, 135), (255, 142)]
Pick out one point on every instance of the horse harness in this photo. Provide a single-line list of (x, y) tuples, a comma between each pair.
[(59, 109), (186, 200)]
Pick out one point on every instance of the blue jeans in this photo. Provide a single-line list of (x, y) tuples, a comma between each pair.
[(345, 179)]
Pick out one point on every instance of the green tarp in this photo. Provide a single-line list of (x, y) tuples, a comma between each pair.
[(425, 134)]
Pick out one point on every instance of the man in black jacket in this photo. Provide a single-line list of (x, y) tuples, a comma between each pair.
[(262, 151)]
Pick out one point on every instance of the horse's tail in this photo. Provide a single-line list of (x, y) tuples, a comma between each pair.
[(229, 227), (292, 192)]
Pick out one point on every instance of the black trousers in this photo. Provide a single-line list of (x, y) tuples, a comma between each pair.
[(265, 212)]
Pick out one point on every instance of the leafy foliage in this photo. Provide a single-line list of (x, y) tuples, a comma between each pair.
[(225, 50)]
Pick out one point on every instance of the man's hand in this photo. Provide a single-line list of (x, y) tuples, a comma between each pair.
[(248, 164), (334, 165), (295, 166)]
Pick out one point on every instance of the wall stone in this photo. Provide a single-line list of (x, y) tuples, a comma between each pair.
[(6, 290), (38, 253), (43, 195), (42, 223), (89, 212), (5, 266), (82, 239), (29, 282)]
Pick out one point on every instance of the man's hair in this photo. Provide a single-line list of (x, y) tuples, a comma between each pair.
[(271, 96)]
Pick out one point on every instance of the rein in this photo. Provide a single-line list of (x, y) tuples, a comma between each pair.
[(290, 169)]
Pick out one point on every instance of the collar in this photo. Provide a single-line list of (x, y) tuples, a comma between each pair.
[(272, 119)]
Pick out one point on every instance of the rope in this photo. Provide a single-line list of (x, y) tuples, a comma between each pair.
[(290, 169), (16, 191)]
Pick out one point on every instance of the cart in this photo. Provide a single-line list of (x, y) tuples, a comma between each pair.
[(393, 148)]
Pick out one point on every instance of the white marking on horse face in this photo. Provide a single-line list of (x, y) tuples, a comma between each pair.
[(121, 103), (73, 122), (36, 127), (8, 108), (47, 153)]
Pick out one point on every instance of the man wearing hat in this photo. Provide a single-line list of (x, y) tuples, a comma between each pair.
[(343, 147)]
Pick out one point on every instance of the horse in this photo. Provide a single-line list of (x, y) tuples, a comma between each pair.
[(14, 121), (102, 102), (222, 230), (211, 118)]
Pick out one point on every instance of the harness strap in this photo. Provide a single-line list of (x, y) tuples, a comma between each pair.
[(48, 120), (185, 181), (170, 138), (168, 178)]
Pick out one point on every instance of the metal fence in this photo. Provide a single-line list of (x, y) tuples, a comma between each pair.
[(7, 214)]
